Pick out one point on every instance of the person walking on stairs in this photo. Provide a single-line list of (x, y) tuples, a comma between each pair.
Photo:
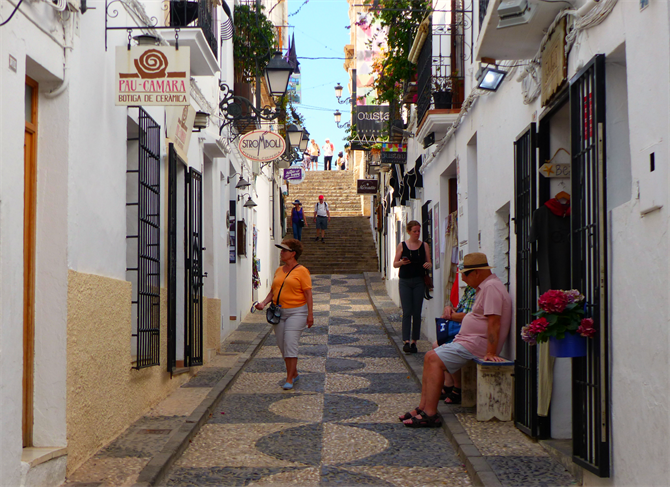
[(314, 153), (412, 257), (321, 217), (298, 219), (292, 291), (328, 150)]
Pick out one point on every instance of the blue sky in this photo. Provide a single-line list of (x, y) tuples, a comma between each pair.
[(320, 31)]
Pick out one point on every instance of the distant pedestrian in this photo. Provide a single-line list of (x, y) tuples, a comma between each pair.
[(321, 217), (341, 161), (314, 153), (307, 159), (413, 258), (328, 150), (298, 219), (292, 291)]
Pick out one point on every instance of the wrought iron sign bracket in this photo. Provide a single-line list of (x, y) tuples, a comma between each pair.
[(234, 108)]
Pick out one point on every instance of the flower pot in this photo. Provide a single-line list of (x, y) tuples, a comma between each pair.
[(571, 346), (442, 99)]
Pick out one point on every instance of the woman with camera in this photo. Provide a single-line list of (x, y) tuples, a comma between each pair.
[(292, 292)]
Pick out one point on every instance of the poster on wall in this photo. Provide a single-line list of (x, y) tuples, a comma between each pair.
[(437, 239), (231, 232)]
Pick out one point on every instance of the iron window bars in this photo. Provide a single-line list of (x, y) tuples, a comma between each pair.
[(144, 267)]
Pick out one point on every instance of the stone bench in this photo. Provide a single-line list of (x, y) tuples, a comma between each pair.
[(490, 387)]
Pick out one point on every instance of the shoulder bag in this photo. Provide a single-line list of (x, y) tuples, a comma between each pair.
[(446, 330), (273, 313)]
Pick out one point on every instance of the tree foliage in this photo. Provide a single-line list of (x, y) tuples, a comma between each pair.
[(253, 42)]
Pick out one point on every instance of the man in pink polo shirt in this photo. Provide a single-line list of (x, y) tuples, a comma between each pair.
[(483, 334)]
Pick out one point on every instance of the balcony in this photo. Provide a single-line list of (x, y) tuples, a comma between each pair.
[(198, 32), (520, 41), (439, 89)]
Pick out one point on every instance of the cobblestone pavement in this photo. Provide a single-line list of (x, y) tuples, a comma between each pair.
[(337, 426)]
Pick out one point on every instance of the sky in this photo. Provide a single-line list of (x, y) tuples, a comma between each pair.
[(320, 28)]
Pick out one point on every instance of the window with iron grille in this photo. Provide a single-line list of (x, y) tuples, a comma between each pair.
[(143, 237)]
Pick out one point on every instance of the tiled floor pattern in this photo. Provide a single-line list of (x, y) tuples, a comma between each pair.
[(337, 426), (120, 462), (516, 460)]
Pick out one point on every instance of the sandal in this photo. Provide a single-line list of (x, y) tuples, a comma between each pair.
[(424, 421), (409, 415), (454, 397), (445, 392)]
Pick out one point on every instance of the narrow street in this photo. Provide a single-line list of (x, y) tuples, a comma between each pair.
[(337, 426)]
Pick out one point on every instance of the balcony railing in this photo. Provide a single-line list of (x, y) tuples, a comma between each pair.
[(198, 13), (440, 80)]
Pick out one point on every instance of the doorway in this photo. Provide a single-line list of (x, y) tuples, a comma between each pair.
[(29, 238)]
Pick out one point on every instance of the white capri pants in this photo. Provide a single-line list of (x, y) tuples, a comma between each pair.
[(289, 329)]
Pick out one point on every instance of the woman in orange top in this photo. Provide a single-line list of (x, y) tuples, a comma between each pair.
[(296, 305)]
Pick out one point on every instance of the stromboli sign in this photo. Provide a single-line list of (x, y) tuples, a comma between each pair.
[(153, 76), (262, 145)]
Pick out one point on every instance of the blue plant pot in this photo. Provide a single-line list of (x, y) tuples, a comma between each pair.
[(570, 346)]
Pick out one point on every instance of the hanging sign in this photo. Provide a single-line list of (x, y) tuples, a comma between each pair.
[(153, 76), (367, 186), (554, 63), (262, 145), (555, 170), (394, 157), (372, 120), (294, 175), (180, 127)]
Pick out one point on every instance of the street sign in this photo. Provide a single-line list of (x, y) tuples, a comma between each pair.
[(555, 170), (294, 175), (367, 186)]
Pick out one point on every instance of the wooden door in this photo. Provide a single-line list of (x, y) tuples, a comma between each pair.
[(29, 230)]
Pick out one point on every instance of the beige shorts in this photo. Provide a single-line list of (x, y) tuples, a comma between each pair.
[(289, 329)]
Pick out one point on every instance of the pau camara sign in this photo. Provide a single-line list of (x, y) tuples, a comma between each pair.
[(262, 145), (153, 76)]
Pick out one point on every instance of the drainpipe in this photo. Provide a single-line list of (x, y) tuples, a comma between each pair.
[(66, 77)]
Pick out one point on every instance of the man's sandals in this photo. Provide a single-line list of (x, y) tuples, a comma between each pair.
[(423, 421), (453, 397)]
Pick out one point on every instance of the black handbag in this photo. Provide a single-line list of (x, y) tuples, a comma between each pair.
[(273, 313), (301, 222)]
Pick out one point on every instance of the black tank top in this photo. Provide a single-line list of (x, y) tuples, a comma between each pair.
[(417, 258)]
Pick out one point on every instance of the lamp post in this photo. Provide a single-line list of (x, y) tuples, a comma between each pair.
[(338, 117)]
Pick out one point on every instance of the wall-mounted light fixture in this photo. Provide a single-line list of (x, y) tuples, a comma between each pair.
[(338, 117), (249, 203), (294, 135), (277, 74), (242, 183), (489, 78), (200, 121), (338, 95), (304, 141)]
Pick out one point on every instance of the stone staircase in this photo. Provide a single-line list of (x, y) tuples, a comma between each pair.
[(338, 187), (349, 247)]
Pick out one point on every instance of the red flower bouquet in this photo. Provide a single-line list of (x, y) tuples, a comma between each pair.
[(560, 312)]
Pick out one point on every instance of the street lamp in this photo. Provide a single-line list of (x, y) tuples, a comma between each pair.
[(294, 135), (249, 203), (338, 117), (277, 74), (304, 141), (338, 95), (490, 78)]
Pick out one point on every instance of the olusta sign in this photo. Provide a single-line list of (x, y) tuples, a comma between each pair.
[(371, 119), (153, 76), (262, 145)]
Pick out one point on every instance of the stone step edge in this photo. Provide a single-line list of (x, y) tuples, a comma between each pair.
[(155, 471), (478, 468)]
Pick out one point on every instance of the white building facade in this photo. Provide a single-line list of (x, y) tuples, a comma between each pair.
[(118, 271), (592, 109)]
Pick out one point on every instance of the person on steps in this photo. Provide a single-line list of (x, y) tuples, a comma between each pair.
[(298, 220), (321, 218), (293, 283), (482, 335), (412, 257)]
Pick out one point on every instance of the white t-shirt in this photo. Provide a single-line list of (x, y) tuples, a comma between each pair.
[(321, 209), (328, 149)]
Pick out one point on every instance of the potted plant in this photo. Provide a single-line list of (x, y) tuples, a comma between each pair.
[(560, 321)]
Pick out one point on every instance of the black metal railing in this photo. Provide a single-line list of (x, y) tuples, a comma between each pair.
[(144, 261), (198, 13), (441, 63), (590, 374), (193, 332)]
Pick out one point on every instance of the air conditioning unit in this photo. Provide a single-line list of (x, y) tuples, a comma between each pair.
[(515, 12)]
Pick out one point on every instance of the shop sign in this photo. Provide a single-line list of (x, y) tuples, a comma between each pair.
[(394, 157), (372, 120), (262, 145), (555, 170), (554, 63), (294, 175), (367, 186), (180, 127), (153, 76)]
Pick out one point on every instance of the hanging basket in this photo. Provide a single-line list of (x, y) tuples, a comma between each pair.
[(571, 346)]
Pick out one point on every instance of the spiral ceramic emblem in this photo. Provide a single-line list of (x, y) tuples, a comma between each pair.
[(152, 64)]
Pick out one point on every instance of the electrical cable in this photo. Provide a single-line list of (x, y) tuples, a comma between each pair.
[(13, 12)]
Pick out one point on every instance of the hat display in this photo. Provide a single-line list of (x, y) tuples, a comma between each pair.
[(474, 261)]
